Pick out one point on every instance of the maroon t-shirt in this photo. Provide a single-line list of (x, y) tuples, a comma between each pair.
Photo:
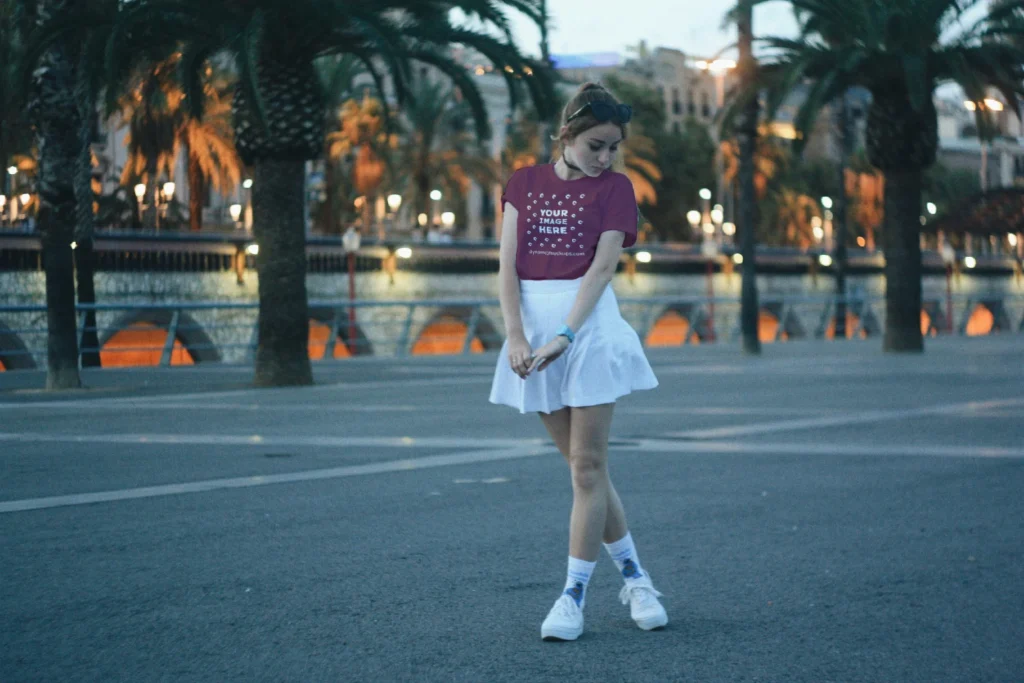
[(560, 221)]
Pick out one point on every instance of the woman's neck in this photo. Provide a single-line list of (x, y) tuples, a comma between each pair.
[(565, 172)]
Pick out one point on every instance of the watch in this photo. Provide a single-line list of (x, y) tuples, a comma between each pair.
[(564, 331)]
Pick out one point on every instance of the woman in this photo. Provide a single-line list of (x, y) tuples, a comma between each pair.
[(569, 352)]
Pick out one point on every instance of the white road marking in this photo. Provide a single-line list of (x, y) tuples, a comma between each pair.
[(407, 465), (871, 416), (129, 402), (261, 440), (651, 446), (823, 449)]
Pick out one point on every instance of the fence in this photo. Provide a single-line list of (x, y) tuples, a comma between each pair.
[(186, 333)]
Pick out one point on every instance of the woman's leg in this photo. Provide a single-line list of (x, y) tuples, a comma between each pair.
[(559, 427), (589, 430)]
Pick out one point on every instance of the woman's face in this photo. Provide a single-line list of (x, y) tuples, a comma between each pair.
[(594, 150)]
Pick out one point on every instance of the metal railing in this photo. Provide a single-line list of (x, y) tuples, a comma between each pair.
[(184, 333)]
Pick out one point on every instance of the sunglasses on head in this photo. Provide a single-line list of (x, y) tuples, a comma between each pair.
[(604, 112)]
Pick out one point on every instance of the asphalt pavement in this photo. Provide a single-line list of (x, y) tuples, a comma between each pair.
[(824, 512)]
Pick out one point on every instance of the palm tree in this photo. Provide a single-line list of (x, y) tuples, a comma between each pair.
[(437, 150), (278, 108), (161, 127), (360, 152), (900, 52), (746, 135), (16, 132), (57, 123), (339, 75)]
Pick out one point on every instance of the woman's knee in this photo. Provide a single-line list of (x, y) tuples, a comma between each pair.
[(589, 469)]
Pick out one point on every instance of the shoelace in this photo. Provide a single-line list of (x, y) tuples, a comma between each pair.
[(644, 596)]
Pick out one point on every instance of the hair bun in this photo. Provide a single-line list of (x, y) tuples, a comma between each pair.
[(591, 86)]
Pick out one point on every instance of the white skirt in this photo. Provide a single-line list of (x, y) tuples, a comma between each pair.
[(604, 363)]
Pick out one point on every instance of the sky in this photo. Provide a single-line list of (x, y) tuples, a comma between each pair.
[(693, 26)]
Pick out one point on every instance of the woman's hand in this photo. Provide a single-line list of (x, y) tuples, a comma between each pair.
[(519, 355), (547, 354)]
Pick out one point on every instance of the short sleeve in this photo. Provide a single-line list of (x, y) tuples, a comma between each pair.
[(514, 190), (620, 210)]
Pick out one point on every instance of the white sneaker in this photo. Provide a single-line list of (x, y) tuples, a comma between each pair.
[(564, 622), (643, 603)]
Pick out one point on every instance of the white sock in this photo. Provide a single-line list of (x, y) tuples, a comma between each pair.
[(624, 553), (579, 577)]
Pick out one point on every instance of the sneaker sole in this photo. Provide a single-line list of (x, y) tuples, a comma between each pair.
[(554, 634), (653, 623)]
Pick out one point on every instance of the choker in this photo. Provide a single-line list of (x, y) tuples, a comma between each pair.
[(572, 166)]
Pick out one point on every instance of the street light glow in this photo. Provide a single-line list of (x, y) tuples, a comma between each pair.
[(705, 194), (729, 229), (169, 191), (970, 262), (25, 199), (737, 259), (394, 201), (403, 252), (826, 202), (717, 215), (825, 260), (709, 228), (140, 190), (693, 217), (932, 209), (253, 249), (643, 256), (247, 183), (435, 195), (422, 219), (1011, 237), (12, 170), (447, 219), (236, 211), (994, 105)]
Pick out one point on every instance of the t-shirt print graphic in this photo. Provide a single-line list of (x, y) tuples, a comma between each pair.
[(554, 224)]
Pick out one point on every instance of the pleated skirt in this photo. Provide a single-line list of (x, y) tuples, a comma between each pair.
[(603, 364)]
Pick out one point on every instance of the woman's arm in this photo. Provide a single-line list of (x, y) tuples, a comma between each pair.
[(508, 293), (596, 279)]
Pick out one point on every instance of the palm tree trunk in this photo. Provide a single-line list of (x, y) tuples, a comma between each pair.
[(196, 191), (84, 217), (282, 356), (747, 134), (839, 219), (57, 130), (902, 261)]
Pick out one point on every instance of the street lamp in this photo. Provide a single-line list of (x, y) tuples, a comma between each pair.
[(448, 219), (932, 209), (350, 242), (236, 214), (819, 232), (643, 256), (948, 259), (394, 202), (709, 248), (693, 217)]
